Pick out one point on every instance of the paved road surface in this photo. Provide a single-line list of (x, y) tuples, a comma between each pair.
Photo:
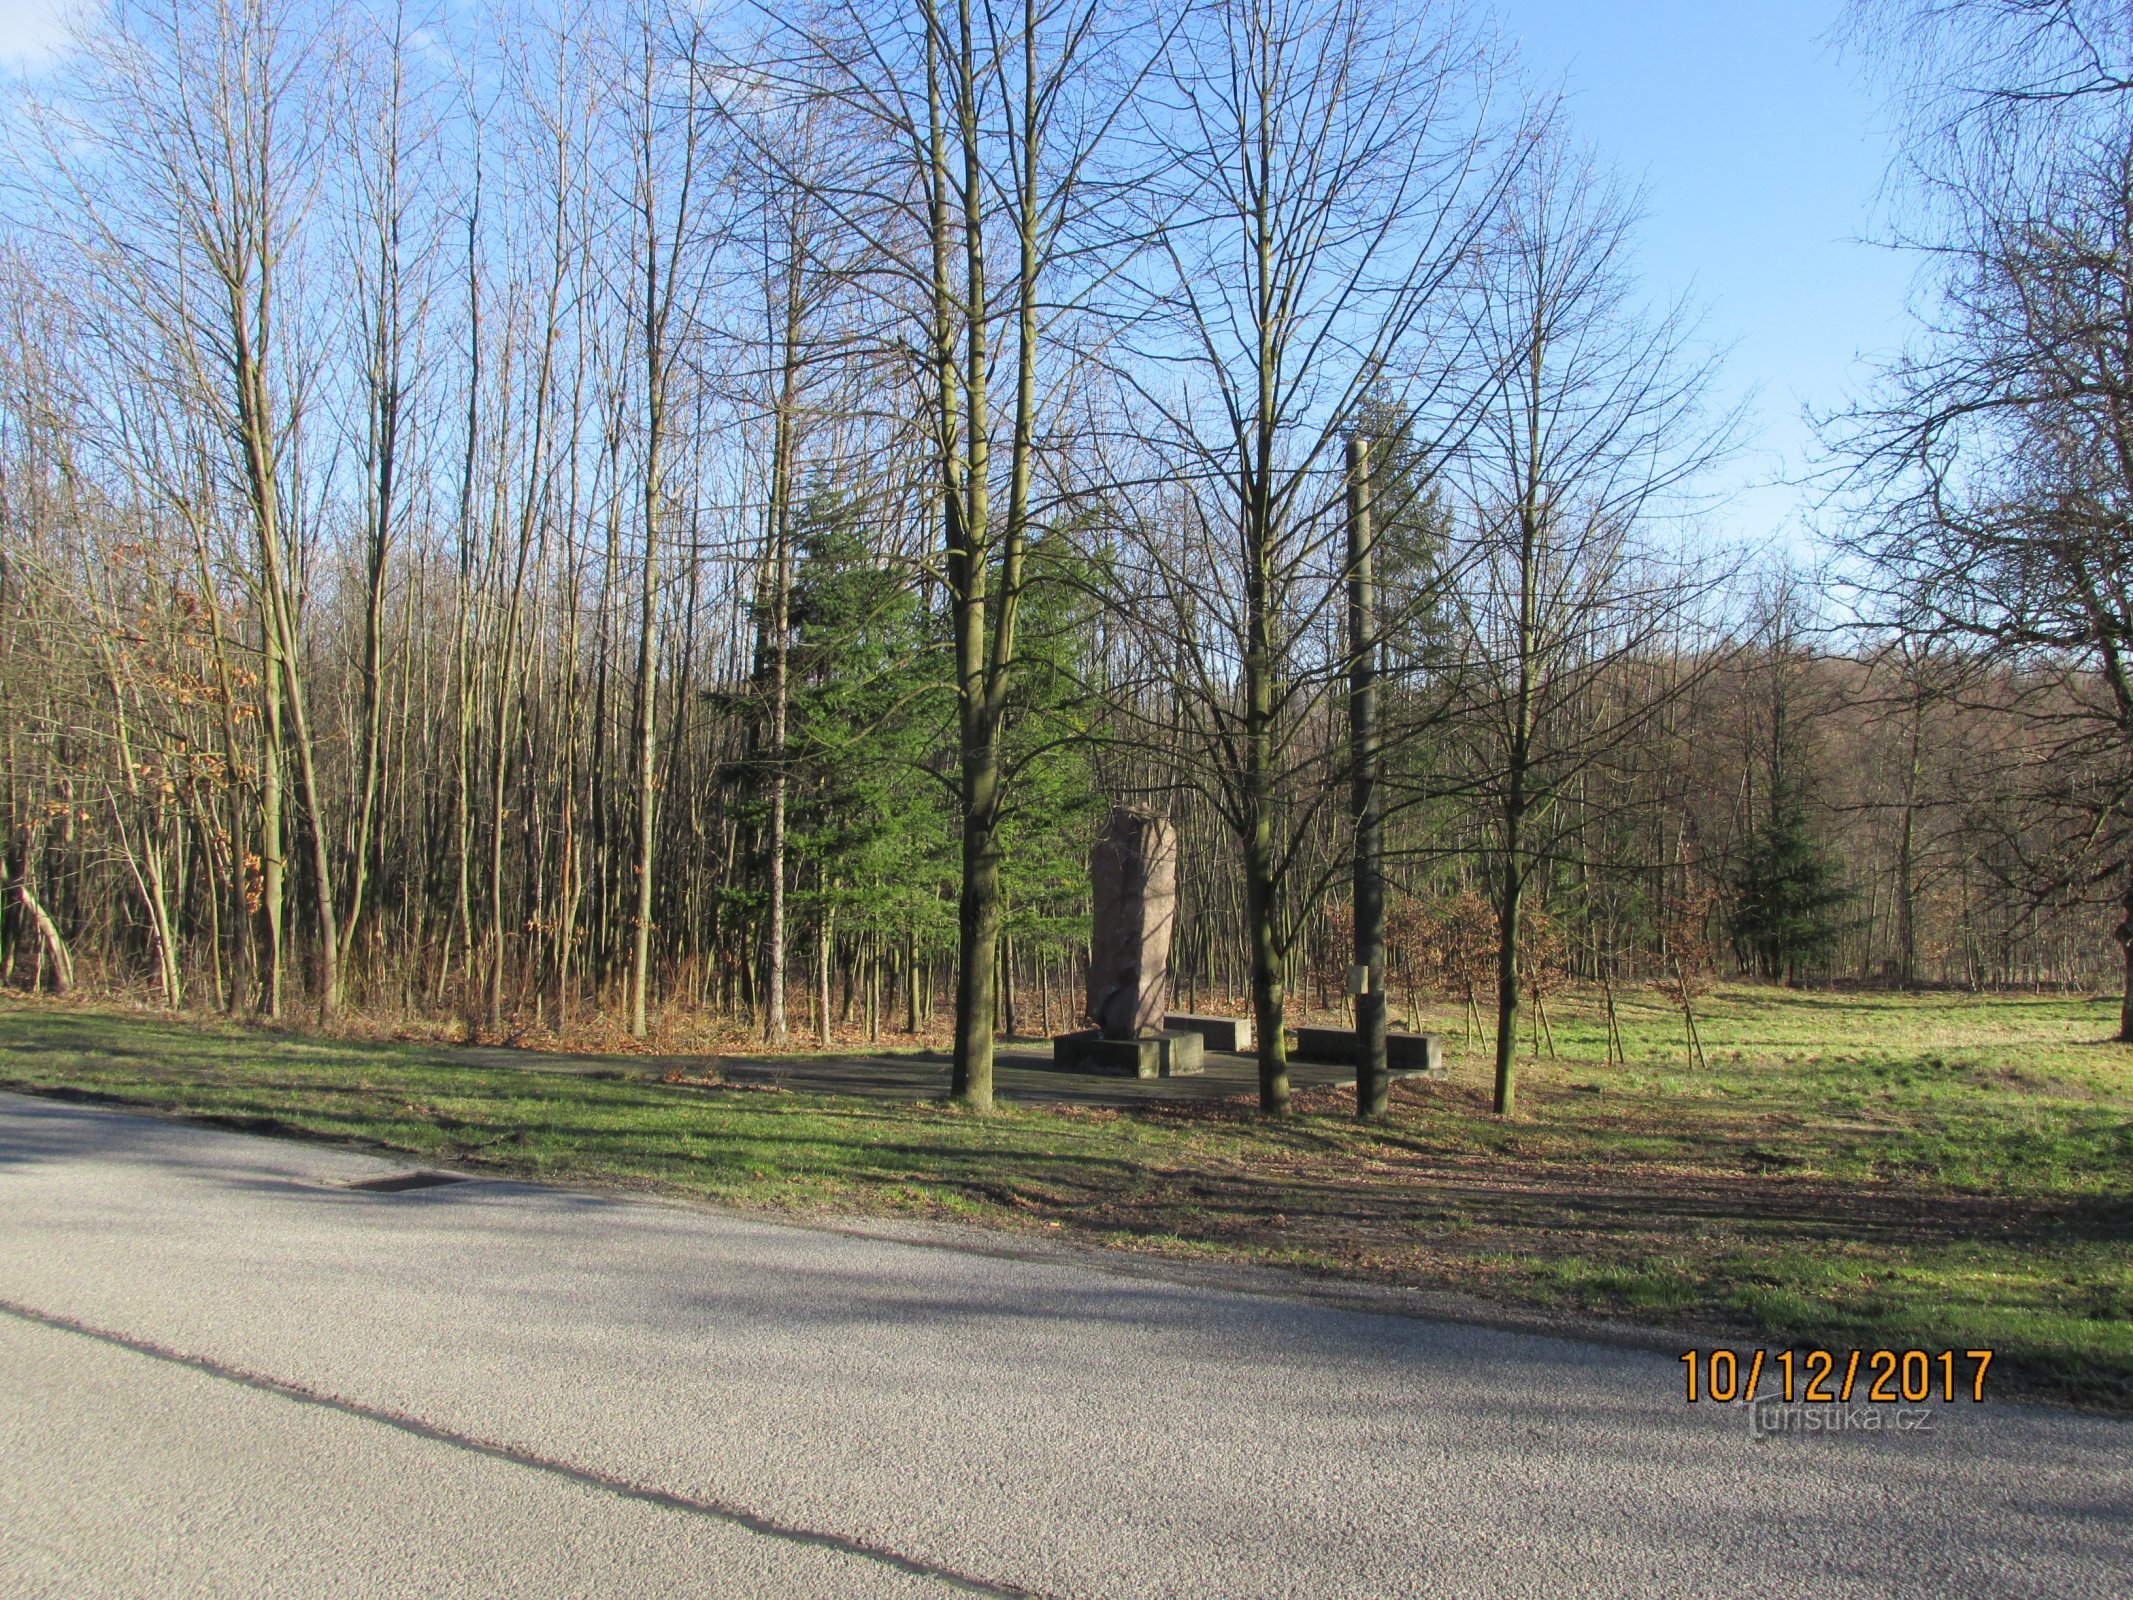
[(224, 1371)]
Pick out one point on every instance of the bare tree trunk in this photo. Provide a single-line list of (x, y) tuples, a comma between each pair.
[(2125, 940), (257, 439), (1907, 853), (647, 722), (463, 636), (662, 201), (823, 946), (51, 945), (1509, 908), (272, 860), (385, 387), (1510, 902), (1269, 991), (779, 628)]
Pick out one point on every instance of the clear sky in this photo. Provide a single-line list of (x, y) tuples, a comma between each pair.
[(1762, 154), (29, 29)]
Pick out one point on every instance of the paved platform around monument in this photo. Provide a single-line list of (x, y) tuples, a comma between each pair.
[(1022, 1075)]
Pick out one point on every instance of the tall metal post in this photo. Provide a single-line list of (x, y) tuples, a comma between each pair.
[(1367, 978)]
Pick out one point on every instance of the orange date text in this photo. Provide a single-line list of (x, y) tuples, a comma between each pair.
[(1838, 1377)]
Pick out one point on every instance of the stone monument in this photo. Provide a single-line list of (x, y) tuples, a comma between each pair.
[(1134, 874)]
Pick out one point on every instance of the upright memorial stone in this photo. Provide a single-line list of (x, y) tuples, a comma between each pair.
[(1134, 875), (1134, 872)]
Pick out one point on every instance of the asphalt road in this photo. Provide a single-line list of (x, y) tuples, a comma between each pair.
[(224, 1371)]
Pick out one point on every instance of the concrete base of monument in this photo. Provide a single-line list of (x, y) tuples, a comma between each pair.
[(1230, 1034), (1411, 1054), (1170, 1054)]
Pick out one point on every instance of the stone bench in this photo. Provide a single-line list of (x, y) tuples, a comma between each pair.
[(1168, 1054), (1414, 1054), (1232, 1034)]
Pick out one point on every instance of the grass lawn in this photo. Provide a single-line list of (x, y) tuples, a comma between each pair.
[(1869, 1170)]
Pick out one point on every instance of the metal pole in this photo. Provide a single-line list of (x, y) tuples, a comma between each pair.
[(1367, 978)]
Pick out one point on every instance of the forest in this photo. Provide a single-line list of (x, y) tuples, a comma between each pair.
[(609, 518)]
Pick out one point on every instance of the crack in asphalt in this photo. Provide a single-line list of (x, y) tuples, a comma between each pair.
[(716, 1510)]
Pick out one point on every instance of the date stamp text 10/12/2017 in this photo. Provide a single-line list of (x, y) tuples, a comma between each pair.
[(1881, 1377)]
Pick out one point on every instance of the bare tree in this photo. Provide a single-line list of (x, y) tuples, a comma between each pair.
[(977, 137), (668, 132), (1992, 466), (802, 270), (1995, 468), (391, 247), (1332, 166), (1593, 420), (195, 206), (406, 496)]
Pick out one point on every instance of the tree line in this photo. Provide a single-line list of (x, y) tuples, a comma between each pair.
[(583, 512)]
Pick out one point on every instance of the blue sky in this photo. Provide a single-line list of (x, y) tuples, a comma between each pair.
[(1762, 154), (29, 29)]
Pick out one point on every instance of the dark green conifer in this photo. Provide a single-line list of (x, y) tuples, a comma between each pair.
[(1787, 891)]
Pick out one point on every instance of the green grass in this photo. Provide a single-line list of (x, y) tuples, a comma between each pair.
[(1849, 1169)]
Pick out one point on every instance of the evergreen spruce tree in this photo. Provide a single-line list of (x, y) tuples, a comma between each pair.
[(870, 754), (1049, 753), (1411, 529), (870, 856), (1787, 891), (872, 833)]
